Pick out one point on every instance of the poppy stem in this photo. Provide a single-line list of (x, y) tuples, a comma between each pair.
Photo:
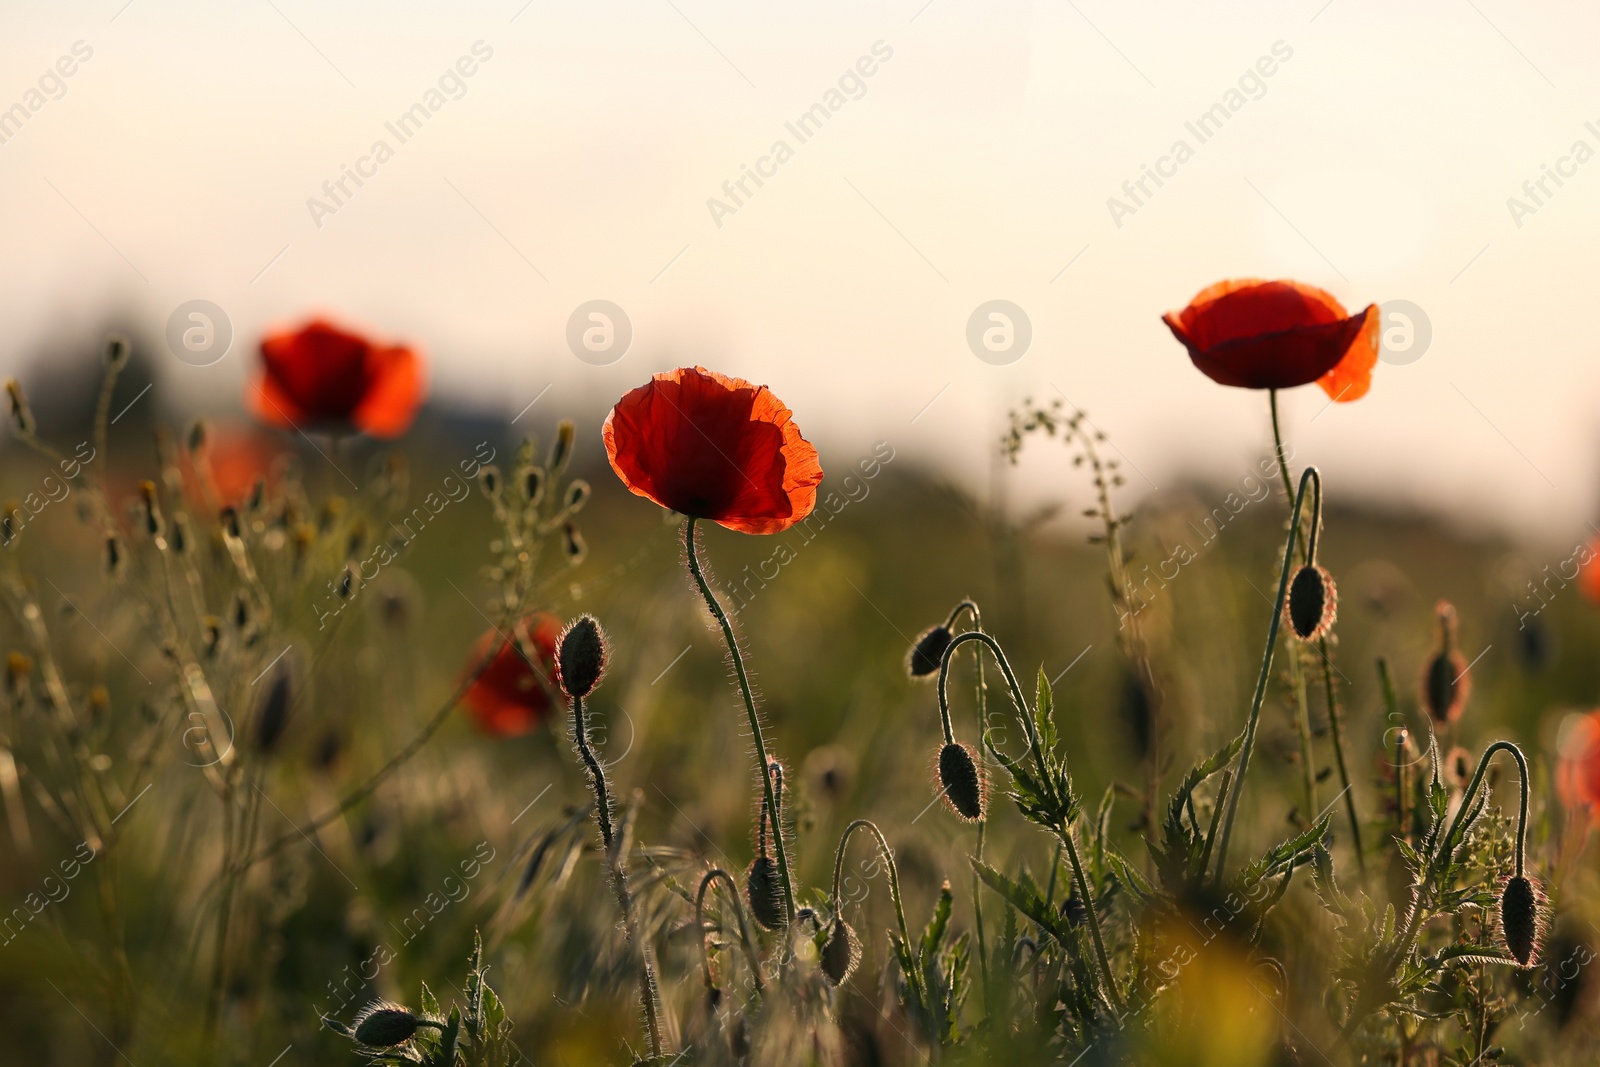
[(1312, 477), (914, 978), (1335, 722), (770, 801)]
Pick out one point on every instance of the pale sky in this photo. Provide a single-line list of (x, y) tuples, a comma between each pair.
[(975, 162)]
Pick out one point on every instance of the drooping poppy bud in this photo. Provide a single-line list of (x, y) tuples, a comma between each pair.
[(928, 652), (384, 1025), (1312, 603), (763, 888), (961, 781), (840, 953), (581, 661), (1519, 918)]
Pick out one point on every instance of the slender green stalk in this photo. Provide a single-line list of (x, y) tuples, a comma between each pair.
[(1063, 832), (1302, 723), (732, 642), (1335, 722), (717, 874), (894, 881), (1313, 477)]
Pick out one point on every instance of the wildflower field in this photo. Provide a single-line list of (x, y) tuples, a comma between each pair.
[(357, 732)]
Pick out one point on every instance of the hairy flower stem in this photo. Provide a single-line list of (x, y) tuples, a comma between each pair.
[(1335, 723), (1443, 852), (983, 719), (1063, 832), (1314, 478), (617, 864), (894, 883), (769, 800)]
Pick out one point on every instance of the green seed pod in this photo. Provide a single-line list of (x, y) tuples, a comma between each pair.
[(840, 953), (927, 653), (577, 496), (763, 890), (118, 349), (150, 509), (961, 781), (561, 450), (489, 482), (383, 1025), (573, 545), (581, 660), (533, 486), (1312, 603), (273, 717), (1519, 918), (1446, 682)]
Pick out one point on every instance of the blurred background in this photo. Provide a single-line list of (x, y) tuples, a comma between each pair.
[(275, 159), (976, 162)]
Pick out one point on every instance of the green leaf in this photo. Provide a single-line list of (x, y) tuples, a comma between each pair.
[(1026, 899), (1044, 713), (933, 936)]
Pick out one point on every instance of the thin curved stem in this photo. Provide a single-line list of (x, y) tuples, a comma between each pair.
[(1046, 781), (1314, 478), (1011, 681), (732, 642), (894, 875), (597, 776), (717, 874)]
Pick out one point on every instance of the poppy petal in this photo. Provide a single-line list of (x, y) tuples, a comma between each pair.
[(707, 445), (395, 395), (1351, 377)]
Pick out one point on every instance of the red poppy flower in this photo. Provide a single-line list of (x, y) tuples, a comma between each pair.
[(320, 375), (716, 448), (1589, 570), (513, 697), (1578, 761), (1277, 335)]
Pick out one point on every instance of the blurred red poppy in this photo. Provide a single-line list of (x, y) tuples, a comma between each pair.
[(1277, 335), (513, 697), (1589, 570), (235, 458), (716, 448), (1578, 761), (322, 376)]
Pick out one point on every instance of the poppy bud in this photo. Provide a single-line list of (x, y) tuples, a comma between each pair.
[(21, 413), (1445, 681), (347, 582), (9, 527), (573, 545), (1073, 911), (1312, 603), (577, 495), (961, 781), (929, 650), (383, 1025), (18, 667), (764, 891), (840, 953), (212, 628), (118, 349), (181, 535), (113, 555), (561, 450), (533, 486), (581, 661), (1519, 918), (197, 435), (230, 523)]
